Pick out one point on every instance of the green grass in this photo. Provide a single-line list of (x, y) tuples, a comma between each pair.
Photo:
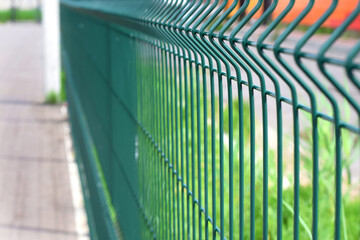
[(62, 94), (20, 15), (5, 15), (28, 15), (351, 204), (52, 98), (110, 207)]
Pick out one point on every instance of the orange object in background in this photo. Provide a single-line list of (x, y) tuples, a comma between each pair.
[(228, 4), (342, 11)]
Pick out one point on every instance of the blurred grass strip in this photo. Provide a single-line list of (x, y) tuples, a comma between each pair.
[(5, 15), (21, 15)]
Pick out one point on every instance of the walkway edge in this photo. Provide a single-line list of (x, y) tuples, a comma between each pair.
[(81, 225)]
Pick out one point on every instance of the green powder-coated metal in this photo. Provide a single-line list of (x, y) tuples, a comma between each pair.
[(196, 120)]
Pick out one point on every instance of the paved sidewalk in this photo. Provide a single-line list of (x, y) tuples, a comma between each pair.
[(35, 191)]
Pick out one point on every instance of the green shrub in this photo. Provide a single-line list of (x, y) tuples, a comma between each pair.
[(52, 98)]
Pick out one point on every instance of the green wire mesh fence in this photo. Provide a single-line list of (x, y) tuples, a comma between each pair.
[(211, 119)]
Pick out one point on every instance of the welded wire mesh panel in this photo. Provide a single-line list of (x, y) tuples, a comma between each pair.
[(216, 119)]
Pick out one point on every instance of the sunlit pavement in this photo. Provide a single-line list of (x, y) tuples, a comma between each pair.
[(35, 193)]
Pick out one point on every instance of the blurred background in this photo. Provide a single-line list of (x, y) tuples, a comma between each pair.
[(20, 10), (40, 192), (41, 195)]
